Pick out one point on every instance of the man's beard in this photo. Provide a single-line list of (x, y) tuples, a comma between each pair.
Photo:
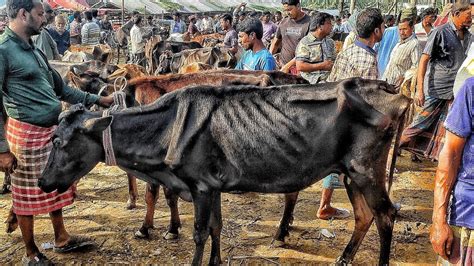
[(31, 30)]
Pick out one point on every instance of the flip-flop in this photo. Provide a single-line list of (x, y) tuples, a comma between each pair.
[(38, 259), (75, 242), (340, 214)]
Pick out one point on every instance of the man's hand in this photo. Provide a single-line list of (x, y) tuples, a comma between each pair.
[(441, 238), (106, 101), (420, 96), (7, 161), (285, 69)]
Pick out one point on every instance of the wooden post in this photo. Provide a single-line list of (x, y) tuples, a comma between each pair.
[(341, 6), (123, 12)]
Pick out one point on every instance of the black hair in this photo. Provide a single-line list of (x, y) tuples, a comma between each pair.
[(77, 14), (319, 20), (410, 21), (138, 20), (278, 12), (460, 6), (88, 15), (428, 12), (368, 20), (135, 12), (177, 14), (251, 25), (14, 6), (226, 16), (389, 18), (267, 13), (95, 13), (290, 2)]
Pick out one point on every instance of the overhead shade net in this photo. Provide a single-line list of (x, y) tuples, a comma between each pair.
[(69, 4)]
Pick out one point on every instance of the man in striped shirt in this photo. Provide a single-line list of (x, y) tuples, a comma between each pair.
[(90, 32), (405, 55)]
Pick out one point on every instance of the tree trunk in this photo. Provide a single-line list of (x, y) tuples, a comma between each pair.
[(353, 4), (123, 12)]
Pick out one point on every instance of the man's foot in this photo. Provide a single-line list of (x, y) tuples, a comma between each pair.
[(333, 213), (74, 243), (38, 259)]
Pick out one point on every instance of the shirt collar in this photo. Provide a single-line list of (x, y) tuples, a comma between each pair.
[(365, 47), (408, 39), (12, 35)]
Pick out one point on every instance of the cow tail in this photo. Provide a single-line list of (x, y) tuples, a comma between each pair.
[(396, 148)]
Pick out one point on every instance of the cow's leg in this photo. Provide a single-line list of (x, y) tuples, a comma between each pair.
[(12, 221), (175, 223), (286, 220), (363, 219), (382, 209), (202, 214), (151, 196), (132, 192), (215, 229)]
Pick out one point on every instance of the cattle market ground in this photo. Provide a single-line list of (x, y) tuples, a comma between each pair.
[(249, 220)]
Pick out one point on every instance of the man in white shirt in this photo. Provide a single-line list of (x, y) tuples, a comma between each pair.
[(90, 32), (137, 43)]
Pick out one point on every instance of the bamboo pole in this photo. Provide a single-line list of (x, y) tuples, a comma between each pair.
[(123, 12), (352, 7), (341, 6)]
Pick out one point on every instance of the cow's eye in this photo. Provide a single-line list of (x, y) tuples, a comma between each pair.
[(56, 142)]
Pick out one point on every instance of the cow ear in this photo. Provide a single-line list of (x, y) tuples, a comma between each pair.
[(363, 111), (97, 124), (77, 71)]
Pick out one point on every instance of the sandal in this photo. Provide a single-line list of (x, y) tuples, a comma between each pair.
[(38, 260), (75, 242), (340, 214)]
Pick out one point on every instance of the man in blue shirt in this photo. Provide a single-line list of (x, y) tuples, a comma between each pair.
[(256, 56)]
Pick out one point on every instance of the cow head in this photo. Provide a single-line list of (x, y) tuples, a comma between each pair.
[(77, 148), (164, 62), (91, 76)]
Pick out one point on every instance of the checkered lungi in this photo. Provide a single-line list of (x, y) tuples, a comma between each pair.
[(462, 250), (31, 145), (425, 136)]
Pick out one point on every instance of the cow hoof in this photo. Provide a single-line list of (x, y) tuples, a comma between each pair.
[(131, 205), (277, 243), (170, 236), (140, 235), (341, 261)]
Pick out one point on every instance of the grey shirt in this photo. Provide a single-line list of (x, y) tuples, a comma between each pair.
[(447, 53), (231, 38)]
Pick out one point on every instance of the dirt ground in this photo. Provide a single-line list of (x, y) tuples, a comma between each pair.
[(250, 220)]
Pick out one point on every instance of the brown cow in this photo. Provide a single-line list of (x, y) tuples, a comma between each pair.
[(194, 68), (208, 38)]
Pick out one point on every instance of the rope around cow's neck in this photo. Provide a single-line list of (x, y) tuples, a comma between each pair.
[(119, 104)]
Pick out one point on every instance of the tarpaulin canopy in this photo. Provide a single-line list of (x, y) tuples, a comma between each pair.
[(69, 4)]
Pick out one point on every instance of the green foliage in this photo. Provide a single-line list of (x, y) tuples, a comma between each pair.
[(169, 5)]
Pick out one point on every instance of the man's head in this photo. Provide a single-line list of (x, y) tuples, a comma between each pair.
[(26, 15), (338, 20), (267, 16), (461, 14), (176, 16), (370, 24), (95, 13), (292, 8), (192, 19), (138, 21), (429, 15), (250, 31), (242, 15), (60, 23), (321, 24), (226, 21), (389, 20), (48, 13), (77, 16), (88, 15), (278, 16), (405, 28)]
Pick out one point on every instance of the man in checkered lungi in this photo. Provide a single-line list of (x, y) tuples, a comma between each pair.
[(31, 98)]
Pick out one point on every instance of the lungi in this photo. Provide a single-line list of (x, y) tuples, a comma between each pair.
[(462, 249), (31, 145), (425, 136)]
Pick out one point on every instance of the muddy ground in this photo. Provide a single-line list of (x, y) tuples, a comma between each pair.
[(250, 220)]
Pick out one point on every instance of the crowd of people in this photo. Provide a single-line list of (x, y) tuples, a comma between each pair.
[(419, 53)]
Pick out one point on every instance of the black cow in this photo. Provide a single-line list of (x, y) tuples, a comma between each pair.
[(202, 141)]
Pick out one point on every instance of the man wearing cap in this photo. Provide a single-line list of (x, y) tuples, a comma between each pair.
[(289, 33), (44, 41), (31, 96), (256, 56)]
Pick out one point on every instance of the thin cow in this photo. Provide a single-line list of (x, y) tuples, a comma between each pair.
[(202, 141)]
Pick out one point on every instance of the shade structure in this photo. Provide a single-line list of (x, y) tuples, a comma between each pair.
[(69, 4)]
